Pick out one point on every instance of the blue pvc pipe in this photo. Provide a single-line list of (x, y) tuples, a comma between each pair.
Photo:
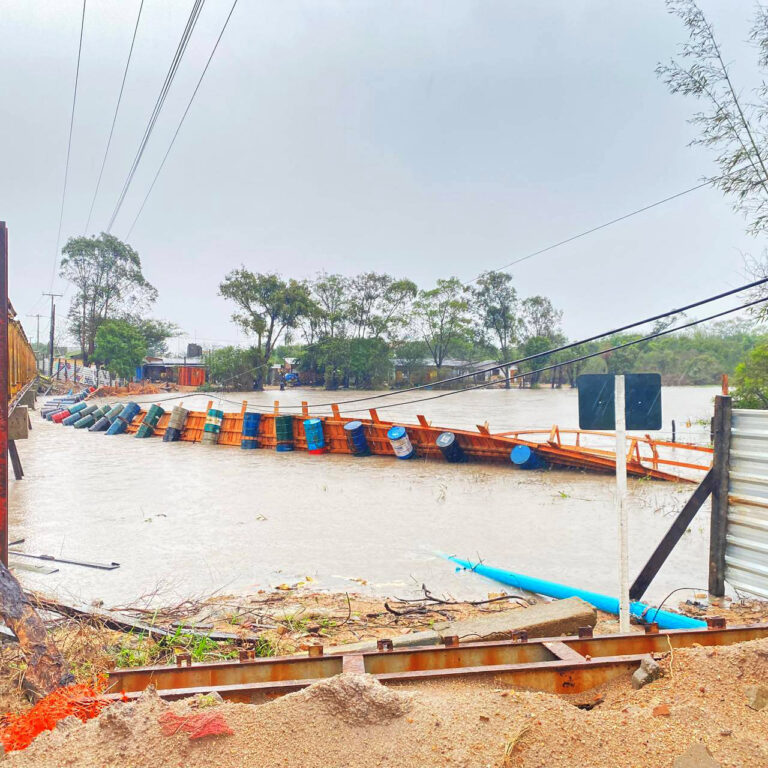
[(665, 619)]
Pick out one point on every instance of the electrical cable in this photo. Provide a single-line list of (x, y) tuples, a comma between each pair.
[(597, 228), (114, 118), (661, 604), (194, 14), (555, 350), (69, 147), (183, 117)]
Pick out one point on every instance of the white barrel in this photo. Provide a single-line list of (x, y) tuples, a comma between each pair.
[(401, 443)]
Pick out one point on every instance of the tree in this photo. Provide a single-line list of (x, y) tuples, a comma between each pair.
[(540, 318), (231, 367), (267, 305), (378, 304), (155, 332), (108, 281), (369, 362), (442, 314), (119, 347), (410, 356), (751, 380), (330, 293), (496, 309), (733, 127)]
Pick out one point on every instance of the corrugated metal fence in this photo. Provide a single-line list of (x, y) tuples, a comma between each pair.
[(746, 549)]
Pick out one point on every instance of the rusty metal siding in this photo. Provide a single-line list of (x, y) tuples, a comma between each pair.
[(746, 551)]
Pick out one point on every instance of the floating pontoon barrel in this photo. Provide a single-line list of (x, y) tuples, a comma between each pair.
[(85, 421), (526, 458), (212, 426), (77, 407), (313, 429), (77, 415), (114, 412), (59, 416), (147, 428), (128, 414), (450, 448), (109, 414), (175, 424), (356, 441), (401, 443), (250, 433), (284, 433)]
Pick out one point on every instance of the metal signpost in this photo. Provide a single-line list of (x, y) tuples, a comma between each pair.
[(631, 401)]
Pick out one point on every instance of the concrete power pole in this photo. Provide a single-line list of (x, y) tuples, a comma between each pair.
[(53, 328)]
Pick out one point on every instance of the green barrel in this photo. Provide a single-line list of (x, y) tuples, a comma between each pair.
[(284, 433), (178, 418), (147, 428), (114, 412), (86, 421)]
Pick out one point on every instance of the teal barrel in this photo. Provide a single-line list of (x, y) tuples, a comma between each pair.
[(103, 422), (212, 426), (126, 416), (147, 428), (313, 430), (75, 417), (250, 433), (284, 433)]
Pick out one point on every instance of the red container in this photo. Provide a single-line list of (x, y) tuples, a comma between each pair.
[(59, 417)]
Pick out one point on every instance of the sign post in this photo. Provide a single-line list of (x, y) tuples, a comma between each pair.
[(621, 503)]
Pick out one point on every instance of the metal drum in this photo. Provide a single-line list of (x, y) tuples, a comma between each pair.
[(313, 430), (401, 443), (356, 441), (212, 426), (284, 433), (250, 433), (450, 448), (126, 416), (525, 458), (147, 428), (75, 416), (175, 424)]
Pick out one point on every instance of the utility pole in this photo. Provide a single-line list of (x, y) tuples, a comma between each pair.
[(37, 341), (53, 328)]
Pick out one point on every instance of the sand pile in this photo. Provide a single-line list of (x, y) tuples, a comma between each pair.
[(354, 722)]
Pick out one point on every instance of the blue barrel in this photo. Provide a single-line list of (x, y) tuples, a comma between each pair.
[(450, 448), (75, 416), (356, 438), (249, 435), (523, 457), (284, 447), (313, 430), (127, 415), (400, 442)]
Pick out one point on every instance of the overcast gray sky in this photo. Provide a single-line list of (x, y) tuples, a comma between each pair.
[(424, 139)]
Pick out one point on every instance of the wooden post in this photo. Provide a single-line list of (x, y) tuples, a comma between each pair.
[(720, 482)]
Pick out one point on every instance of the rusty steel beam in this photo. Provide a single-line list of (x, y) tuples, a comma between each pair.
[(4, 393), (556, 665)]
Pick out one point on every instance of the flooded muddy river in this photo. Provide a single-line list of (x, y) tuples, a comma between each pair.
[(185, 519)]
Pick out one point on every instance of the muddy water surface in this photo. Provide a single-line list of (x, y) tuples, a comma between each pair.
[(186, 519)]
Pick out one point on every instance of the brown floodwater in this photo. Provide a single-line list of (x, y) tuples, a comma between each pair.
[(185, 519)]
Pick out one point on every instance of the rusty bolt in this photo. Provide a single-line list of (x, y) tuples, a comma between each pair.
[(520, 637), (182, 658), (652, 628), (385, 644), (451, 640), (585, 632), (715, 622), (315, 650)]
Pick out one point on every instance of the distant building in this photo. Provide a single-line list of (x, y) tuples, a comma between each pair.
[(187, 371)]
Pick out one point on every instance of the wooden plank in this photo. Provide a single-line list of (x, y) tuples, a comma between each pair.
[(673, 535), (18, 470), (719, 518)]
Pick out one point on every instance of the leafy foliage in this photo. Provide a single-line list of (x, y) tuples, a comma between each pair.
[(120, 347), (751, 379)]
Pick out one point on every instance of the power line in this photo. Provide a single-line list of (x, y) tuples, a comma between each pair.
[(69, 145), (562, 348), (194, 14), (597, 228), (181, 122), (114, 118)]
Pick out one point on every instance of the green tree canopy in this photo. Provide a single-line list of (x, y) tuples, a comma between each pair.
[(120, 348)]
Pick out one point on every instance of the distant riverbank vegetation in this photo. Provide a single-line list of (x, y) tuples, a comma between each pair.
[(374, 330)]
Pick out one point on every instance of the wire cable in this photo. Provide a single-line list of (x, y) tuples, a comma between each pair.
[(69, 147), (194, 14), (114, 119), (598, 228), (183, 117)]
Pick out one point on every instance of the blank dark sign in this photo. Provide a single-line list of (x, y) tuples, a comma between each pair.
[(642, 395)]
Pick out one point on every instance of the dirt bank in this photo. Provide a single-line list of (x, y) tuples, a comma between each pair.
[(356, 722)]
